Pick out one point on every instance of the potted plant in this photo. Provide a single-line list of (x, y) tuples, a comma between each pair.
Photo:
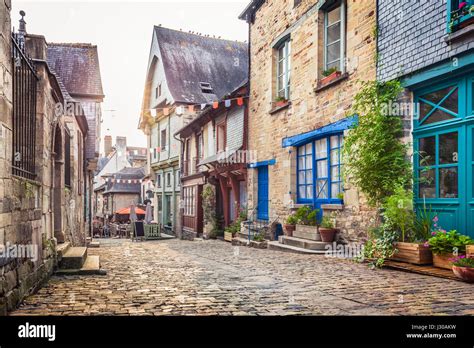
[(446, 246), (463, 268), (281, 101), (306, 226), (330, 75), (290, 225), (327, 230)]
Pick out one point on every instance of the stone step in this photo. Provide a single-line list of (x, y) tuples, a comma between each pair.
[(314, 235), (276, 245), (90, 267), (303, 243), (74, 258), (61, 249), (93, 244)]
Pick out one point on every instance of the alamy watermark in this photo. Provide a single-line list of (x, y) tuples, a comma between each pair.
[(19, 251)]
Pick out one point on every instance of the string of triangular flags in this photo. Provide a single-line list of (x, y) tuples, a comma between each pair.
[(124, 181), (192, 108)]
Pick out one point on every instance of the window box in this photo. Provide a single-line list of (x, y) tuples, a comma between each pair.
[(278, 106), (414, 253), (460, 14), (331, 77)]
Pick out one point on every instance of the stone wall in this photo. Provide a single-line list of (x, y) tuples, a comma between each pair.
[(309, 109)]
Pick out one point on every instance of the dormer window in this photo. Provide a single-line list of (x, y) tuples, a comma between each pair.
[(158, 91), (206, 87)]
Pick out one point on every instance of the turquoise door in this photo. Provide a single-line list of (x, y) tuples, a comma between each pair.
[(443, 144), (262, 209)]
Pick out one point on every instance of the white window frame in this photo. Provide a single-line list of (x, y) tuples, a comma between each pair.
[(342, 40), (286, 59)]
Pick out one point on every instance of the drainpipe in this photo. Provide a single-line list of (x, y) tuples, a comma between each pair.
[(181, 191)]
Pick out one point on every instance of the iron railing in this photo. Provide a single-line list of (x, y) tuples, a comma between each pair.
[(24, 110), (258, 227)]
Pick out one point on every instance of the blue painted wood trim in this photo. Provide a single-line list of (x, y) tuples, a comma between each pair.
[(262, 163), (460, 66), (333, 128)]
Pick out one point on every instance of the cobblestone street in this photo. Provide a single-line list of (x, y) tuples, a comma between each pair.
[(214, 278)]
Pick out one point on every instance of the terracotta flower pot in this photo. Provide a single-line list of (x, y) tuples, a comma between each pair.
[(464, 273), (327, 234), (289, 229), (281, 103), (330, 78)]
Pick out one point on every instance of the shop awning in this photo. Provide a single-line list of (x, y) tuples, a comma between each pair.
[(333, 128)]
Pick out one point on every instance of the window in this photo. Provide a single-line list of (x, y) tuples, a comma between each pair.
[(168, 179), (199, 146), (158, 180), (188, 198), (334, 38), (67, 159), (319, 170), (459, 17), (163, 140), (283, 69), (158, 91), (440, 105), (438, 166), (221, 137), (206, 87)]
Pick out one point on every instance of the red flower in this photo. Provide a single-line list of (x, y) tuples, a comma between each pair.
[(462, 4)]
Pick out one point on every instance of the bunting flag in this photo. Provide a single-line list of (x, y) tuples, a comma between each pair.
[(203, 106), (240, 101), (153, 112), (166, 111), (191, 109), (215, 105), (227, 103), (179, 110)]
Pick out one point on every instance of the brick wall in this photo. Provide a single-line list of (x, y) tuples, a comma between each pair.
[(309, 109), (411, 36)]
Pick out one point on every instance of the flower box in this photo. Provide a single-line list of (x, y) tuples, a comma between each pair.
[(470, 251), (330, 78), (307, 232), (415, 253), (228, 236), (442, 261)]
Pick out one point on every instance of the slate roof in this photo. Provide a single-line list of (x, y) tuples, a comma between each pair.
[(189, 59), (78, 66), (125, 187)]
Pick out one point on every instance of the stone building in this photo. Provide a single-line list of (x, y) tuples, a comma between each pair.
[(184, 70), (429, 46), (298, 116), (77, 64), (42, 137), (215, 160)]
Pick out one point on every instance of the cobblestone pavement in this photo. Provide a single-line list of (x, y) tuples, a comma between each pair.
[(214, 278)]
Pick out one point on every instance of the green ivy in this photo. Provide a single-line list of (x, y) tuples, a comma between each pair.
[(375, 158)]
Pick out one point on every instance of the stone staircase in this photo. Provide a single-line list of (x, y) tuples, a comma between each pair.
[(75, 261), (301, 242)]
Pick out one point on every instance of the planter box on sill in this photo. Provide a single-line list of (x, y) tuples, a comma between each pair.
[(414, 253)]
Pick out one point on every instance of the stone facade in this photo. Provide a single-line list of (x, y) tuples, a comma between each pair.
[(310, 107)]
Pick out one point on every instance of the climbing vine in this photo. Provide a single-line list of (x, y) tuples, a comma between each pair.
[(375, 158)]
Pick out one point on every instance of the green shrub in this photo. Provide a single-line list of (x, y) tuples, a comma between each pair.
[(307, 216), (443, 242), (327, 222), (292, 220), (398, 211)]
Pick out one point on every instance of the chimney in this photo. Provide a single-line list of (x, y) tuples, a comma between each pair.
[(121, 146), (22, 29), (107, 145)]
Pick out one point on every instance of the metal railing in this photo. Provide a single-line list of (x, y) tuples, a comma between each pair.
[(24, 110), (257, 226)]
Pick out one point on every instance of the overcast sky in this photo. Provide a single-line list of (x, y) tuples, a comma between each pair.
[(122, 30)]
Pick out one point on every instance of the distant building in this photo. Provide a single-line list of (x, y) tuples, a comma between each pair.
[(183, 69)]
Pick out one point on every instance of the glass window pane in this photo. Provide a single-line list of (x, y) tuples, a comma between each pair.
[(336, 64), (437, 96), (309, 191), (424, 110), (301, 151), (309, 148), (333, 52), (427, 151), (448, 182), (301, 163), (322, 170), (322, 189), (334, 157), (448, 148), (334, 15), (427, 183), (438, 116), (335, 174), (301, 177), (335, 141), (309, 176), (302, 192), (309, 162), (321, 148), (451, 103), (335, 190), (333, 33)]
